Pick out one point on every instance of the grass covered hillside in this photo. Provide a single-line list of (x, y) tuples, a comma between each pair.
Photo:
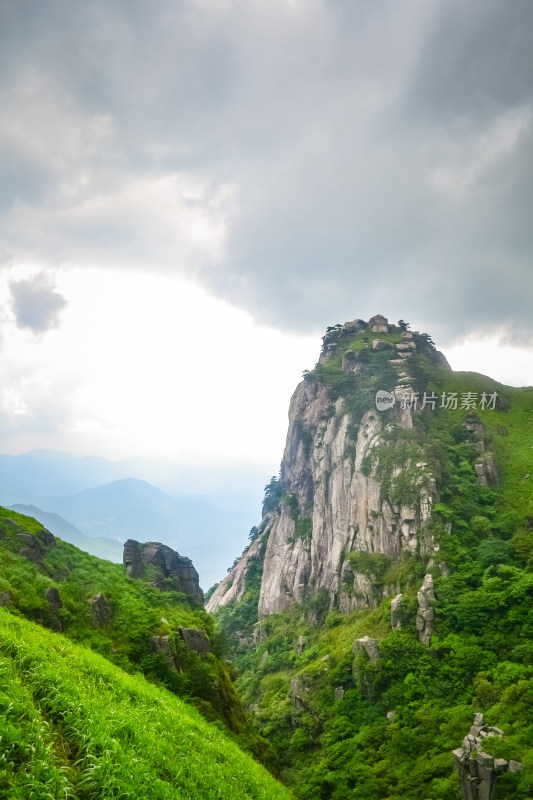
[(73, 725), (129, 621), (345, 725)]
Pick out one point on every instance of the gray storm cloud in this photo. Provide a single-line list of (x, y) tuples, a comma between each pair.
[(36, 303), (306, 161)]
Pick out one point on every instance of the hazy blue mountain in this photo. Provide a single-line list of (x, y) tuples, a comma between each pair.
[(32, 476), (133, 509), (103, 548), (29, 477), (204, 513)]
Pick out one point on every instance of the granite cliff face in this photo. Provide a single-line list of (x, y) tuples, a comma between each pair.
[(354, 479)]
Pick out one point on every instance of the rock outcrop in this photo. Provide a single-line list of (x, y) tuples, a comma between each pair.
[(368, 646), (395, 611), (195, 640), (338, 492), (32, 546), (6, 599), (100, 610), (479, 771), (486, 471), (51, 595), (169, 567), (192, 638), (426, 613), (161, 645)]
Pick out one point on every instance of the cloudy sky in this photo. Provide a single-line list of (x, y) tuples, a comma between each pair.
[(191, 191)]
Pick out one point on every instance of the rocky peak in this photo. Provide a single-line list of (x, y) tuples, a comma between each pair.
[(345, 505), (169, 566), (479, 771)]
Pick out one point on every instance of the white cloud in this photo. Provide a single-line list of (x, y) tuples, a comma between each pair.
[(151, 366)]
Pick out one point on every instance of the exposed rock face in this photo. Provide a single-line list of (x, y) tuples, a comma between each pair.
[(299, 692), (479, 771), (34, 546), (426, 613), (195, 640), (100, 610), (378, 324), (486, 472), (161, 645), (368, 646), (379, 344), (334, 499), (233, 586), (168, 563), (51, 595), (192, 638), (6, 599), (395, 608), (344, 503)]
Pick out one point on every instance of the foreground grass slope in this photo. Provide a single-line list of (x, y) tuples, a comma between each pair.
[(73, 725), (138, 614)]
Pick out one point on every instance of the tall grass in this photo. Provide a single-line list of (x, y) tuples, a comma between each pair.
[(73, 725)]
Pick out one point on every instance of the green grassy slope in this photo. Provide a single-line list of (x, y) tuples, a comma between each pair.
[(138, 611), (73, 725)]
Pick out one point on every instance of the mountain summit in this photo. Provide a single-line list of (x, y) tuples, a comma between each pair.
[(359, 473)]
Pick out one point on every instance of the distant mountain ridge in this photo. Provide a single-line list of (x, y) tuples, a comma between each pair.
[(118, 501), (40, 473)]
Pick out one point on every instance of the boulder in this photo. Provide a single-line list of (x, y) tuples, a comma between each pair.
[(296, 693), (425, 614), (195, 640), (100, 610), (378, 324), (378, 345), (300, 644), (169, 565), (51, 595), (405, 347), (355, 325), (6, 599), (367, 645), (395, 610), (161, 645), (132, 558), (34, 546)]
